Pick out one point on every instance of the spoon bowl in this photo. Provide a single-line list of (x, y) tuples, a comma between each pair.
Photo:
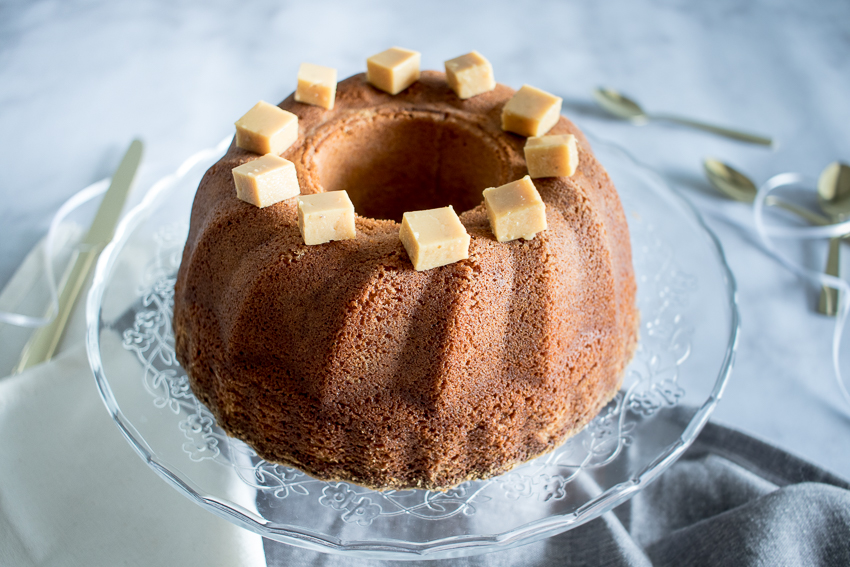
[(620, 105), (834, 191), (729, 180)]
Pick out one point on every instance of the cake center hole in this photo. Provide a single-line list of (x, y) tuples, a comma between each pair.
[(398, 163)]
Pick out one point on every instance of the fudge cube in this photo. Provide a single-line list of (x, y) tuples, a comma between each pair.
[(266, 129), (266, 180), (551, 156), (393, 70), (470, 75), (531, 112), (323, 217), (316, 85), (515, 210), (434, 238)]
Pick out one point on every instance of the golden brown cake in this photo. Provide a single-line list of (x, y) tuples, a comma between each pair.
[(342, 360)]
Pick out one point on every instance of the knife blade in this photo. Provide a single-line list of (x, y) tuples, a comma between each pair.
[(44, 341)]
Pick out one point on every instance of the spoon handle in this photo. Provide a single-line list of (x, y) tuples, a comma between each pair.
[(828, 302), (802, 212), (727, 132)]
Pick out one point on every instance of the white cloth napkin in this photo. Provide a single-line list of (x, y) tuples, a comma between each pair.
[(72, 490)]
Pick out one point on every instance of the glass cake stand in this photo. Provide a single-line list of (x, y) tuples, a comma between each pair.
[(689, 330)]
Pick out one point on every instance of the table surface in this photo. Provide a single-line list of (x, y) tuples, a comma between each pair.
[(79, 80)]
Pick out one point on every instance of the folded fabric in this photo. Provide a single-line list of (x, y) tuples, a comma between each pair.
[(73, 492), (730, 500)]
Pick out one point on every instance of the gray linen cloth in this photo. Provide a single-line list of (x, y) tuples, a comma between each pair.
[(730, 500)]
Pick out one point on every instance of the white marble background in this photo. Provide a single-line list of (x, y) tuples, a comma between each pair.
[(80, 79)]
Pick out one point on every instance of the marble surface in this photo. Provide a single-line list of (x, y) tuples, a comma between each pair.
[(79, 80)]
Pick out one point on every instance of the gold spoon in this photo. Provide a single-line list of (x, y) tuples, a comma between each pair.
[(834, 200), (739, 187), (627, 109)]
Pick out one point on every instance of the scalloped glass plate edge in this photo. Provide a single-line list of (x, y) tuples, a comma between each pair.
[(454, 546)]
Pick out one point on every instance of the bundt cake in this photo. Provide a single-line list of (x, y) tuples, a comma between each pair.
[(343, 361)]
